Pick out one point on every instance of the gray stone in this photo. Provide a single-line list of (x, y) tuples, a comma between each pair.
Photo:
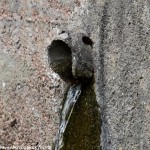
[(71, 56), (121, 49), (120, 32)]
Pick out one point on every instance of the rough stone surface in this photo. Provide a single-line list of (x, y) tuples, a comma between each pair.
[(120, 31), (123, 81), (30, 92)]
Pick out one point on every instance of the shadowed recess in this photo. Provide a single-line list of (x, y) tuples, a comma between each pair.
[(60, 59), (86, 40)]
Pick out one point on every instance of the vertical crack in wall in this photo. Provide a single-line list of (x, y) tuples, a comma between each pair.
[(102, 36)]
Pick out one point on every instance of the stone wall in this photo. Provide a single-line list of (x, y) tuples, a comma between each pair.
[(30, 93), (120, 32)]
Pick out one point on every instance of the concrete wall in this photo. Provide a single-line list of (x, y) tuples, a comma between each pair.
[(120, 32), (123, 78)]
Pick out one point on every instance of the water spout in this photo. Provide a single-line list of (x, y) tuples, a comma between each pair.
[(79, 126), (72, 97)]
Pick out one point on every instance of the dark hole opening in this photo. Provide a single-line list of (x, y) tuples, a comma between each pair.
[(59, 50), (86, 40), (60, 59)]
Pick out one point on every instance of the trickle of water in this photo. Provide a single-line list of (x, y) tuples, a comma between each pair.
[(72, 97)]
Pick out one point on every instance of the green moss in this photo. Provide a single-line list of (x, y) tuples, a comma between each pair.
[(83, 130)]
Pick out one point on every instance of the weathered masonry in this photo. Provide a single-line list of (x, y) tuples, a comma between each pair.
[(108, 94), (121, 49)]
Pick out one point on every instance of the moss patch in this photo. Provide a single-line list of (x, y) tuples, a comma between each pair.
[(83, 130)]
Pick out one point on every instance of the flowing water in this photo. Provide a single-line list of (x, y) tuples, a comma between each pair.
[(71, 99)]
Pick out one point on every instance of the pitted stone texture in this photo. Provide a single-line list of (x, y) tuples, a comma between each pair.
[(82, 61), (30, 92), (120, 32)]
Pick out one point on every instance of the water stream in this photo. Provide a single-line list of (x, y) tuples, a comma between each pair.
[(71, 99)]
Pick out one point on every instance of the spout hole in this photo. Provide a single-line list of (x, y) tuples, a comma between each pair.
[(59, 50), (60, 59), (86, 40)]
